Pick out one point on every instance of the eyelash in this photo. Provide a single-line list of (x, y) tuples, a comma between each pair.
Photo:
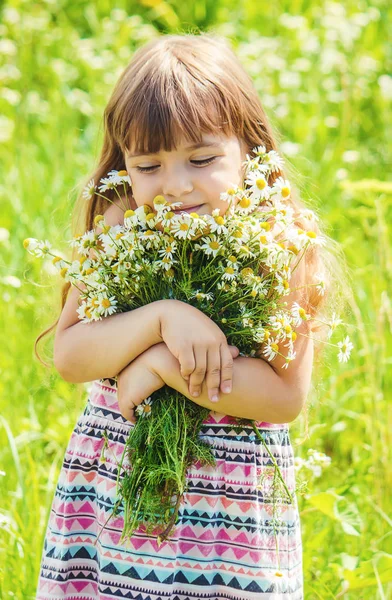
[(205, 161)]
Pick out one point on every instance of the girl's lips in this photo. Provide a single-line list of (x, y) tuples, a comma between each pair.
[(189, 209)]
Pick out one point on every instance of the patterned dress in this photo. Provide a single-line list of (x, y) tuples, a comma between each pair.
[(223, 546)]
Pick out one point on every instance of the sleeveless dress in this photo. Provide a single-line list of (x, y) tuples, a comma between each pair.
[(223, 546)]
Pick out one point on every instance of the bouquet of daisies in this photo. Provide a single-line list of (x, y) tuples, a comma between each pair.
[(233, 267)]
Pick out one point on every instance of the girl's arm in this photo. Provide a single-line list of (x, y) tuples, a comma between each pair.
[(101, 349), (258, 392)]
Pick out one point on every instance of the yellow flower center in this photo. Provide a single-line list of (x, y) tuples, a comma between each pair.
[(253, 293), (64, 271), (106, 303), (214, 245), (285, 191), (265, 225), (233, 258), (129, 213), (98, 219), (229, 270), (275, 347), (56, 259), (244, 202), (184, 227), (219, 220), (122, 173), (261, 183), (169, 215), (311, 234), (159, 200), (263, 239)]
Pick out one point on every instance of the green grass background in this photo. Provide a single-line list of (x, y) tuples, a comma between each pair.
[(323, 73)]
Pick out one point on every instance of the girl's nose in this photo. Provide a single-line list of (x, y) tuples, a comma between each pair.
[(176, 185)]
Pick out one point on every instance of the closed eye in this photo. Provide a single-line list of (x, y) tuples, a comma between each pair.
[(205, 161)]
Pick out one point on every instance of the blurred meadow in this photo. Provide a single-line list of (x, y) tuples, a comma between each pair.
[(322, 70)]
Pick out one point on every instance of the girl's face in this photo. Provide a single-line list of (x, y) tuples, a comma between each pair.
[(195, 176)]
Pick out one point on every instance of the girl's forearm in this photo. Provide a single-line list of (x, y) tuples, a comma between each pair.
[(258, 393), (101, 349)]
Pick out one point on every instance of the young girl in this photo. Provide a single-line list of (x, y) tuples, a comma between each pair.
[(180, 121)]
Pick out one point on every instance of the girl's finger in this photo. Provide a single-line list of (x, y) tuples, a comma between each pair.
[(213, 373), (197, 377), (227, 369)]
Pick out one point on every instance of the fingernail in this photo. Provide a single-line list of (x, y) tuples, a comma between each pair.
[(214, 398), (195, 394), (226, 388)]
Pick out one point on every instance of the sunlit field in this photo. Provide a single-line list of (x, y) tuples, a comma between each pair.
[(322, 70)]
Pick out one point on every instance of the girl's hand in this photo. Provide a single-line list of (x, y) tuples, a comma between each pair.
[(135, 383), (200, 347)]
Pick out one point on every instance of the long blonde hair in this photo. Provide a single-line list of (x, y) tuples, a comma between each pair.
[(186, 84)]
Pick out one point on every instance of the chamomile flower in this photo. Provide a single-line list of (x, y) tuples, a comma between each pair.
[(231, 193), (120, 176), (108, 183), (258, 185), (321, 284), (211, 245), (145, 408), (106, 306), (86, 315), (290, 356), (89, 190), (281, 188), (199, 295), (345, 349), (333, 323), (168, 250), (271, 349), (299, 314), (273, 160), (30, 244), (217, 223), (182, 227), (41, 248)]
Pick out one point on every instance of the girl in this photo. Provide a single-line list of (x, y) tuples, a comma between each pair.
[(181, 120)]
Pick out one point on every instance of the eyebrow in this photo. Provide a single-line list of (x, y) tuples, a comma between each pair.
[(193, 147)]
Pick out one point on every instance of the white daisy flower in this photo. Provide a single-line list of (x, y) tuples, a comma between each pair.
[(120, 176), (31, 244), (333, 323), (181, 227), (166, 263), (168, 250), (321, 284), (230, 273), (271, 349), (199, 295), (231, 193), (299, 314), (217, 223), (290, 356), (211, 245), (108, 183), (144, 409), (89, 190), (281, 188), (42, 248), (345, 349), (258, 185), (273, 160), (106, 306)]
